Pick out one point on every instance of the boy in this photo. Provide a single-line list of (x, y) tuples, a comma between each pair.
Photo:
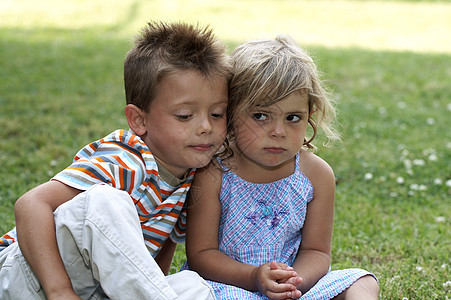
[(176, 90)]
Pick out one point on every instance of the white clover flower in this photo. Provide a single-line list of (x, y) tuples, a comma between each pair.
[(53, 163), (444, 266), (407, 164), (402, 105), (430, 121), (393, 194), (411, 193), (414, 186), (448, 145), (422, 187), (419, 269), (440, 219), (438, 181), (405, 298), (368, 176), (433, 157), (400, 180), (448, 183), (448, 106), (419, 162), (382, 111), (409, 171), (447, 284)]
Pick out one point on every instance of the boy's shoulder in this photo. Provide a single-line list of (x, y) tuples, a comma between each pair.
[(126, 140), (126, 137)]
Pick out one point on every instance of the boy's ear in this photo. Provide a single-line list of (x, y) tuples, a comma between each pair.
[(136, 119)]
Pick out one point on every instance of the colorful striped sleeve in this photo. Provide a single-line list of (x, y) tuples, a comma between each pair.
[(8, 238), (178, 234), (110, 162)]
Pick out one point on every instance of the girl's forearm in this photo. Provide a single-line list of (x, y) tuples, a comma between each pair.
[(215, 265), (311, 265)]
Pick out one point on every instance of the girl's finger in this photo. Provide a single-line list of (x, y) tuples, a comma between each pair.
[(289, 295)]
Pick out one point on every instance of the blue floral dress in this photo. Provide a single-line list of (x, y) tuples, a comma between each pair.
[(262, 222)]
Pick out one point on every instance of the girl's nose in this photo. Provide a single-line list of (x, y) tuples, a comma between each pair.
[(278, 129)]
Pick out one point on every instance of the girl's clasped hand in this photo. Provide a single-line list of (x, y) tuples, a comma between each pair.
[(277, 281)]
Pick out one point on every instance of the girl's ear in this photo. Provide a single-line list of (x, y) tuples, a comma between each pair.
[(136, 119)]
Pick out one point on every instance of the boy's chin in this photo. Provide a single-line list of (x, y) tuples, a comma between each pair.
[(200, 163)]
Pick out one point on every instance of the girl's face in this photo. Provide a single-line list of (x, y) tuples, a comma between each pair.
[(270, 136)]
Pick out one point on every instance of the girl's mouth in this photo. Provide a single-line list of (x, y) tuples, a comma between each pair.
[(274, 150)]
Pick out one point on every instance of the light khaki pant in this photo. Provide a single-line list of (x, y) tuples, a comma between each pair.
[(101, 244)]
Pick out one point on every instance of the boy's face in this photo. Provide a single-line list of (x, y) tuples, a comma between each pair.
[(186, 122)]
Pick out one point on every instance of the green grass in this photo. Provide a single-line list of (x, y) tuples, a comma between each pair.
[(61, 87)]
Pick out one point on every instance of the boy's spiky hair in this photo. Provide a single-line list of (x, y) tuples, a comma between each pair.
[(162, 49)]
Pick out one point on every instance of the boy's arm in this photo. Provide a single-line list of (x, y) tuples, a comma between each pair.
[(164, 257), (313, 259), (37, 239)]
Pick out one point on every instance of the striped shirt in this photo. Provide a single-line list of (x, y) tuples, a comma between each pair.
[(123, 161)]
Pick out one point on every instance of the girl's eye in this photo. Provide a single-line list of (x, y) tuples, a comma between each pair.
[(260, 116), (293, 118)]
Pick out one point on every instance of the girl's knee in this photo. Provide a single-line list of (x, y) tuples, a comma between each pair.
[(371, 283), (365, 287)]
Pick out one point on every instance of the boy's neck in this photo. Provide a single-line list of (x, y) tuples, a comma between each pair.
[(170, 178)]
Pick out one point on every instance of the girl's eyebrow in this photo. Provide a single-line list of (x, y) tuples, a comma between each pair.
[(269, 110), (302, 112)]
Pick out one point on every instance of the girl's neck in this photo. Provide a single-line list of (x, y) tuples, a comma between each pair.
[(253, 172)]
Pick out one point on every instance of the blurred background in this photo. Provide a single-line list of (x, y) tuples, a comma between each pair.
[(387, 63), (391, 25)]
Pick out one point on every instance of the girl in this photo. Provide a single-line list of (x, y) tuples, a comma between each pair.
[(260, 222)]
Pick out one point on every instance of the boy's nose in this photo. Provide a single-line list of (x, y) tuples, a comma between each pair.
[(205, 126)]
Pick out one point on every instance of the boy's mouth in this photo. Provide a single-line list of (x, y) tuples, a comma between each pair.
[(202, 147)]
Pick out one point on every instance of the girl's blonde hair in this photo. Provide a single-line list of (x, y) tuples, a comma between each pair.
[(266, 71)]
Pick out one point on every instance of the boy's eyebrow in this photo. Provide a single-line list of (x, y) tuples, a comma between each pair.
[(223, 100), (194, 102)]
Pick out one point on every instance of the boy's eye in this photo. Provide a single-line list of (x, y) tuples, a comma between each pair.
[(260, 116), (293, 118), (217, 115), (183, 117)]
